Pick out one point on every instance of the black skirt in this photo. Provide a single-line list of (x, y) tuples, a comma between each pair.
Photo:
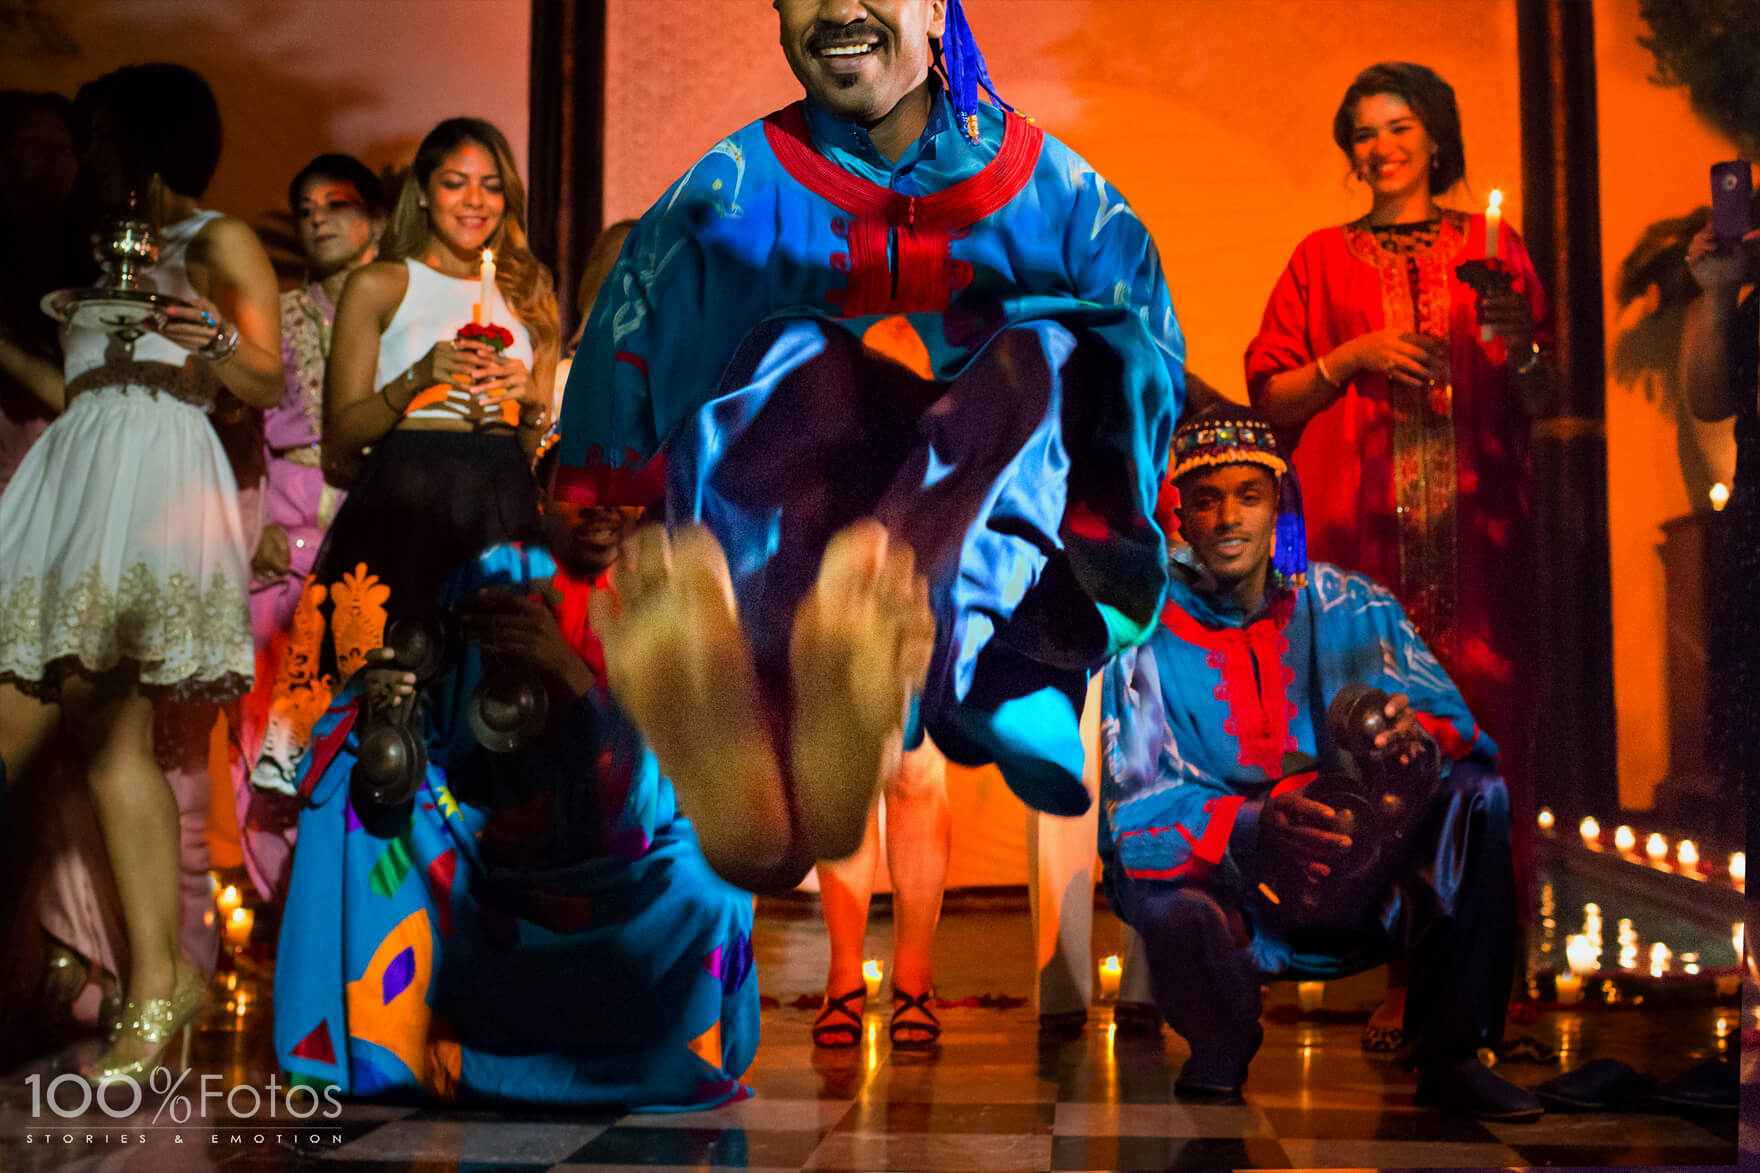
[(425, 503)]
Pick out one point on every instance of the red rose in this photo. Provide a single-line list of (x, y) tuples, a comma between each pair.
[(496, 338)]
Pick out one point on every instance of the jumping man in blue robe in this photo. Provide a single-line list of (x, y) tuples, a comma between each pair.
[(895, 308), (1253, 828)]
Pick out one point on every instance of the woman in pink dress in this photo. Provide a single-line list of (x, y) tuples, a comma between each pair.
[(1411, 396)]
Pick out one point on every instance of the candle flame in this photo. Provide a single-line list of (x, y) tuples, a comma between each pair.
[(1591, 829), (1111, 966), (1579, 954), (1738, 867), (488, 256), (239, 915), (1656, 847), (1496, 200), (1625, 838), (871, 970), (1546, 819), (1687, 852), (1719, 496)]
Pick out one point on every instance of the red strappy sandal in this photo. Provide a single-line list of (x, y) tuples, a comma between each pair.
[(840, 1035)]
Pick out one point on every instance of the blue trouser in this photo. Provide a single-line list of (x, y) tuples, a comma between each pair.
[(1451, 913)]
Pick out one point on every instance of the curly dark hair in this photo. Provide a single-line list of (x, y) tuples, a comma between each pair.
[(1708, 47), (1430, 98)]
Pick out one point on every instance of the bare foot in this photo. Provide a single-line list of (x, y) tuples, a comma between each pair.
[(678, 664), (860, 650)]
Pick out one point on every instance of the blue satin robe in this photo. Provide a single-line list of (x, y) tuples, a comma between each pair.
[(1036, 389)]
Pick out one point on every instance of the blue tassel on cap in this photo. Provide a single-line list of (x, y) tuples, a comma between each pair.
[(1289, 552), (966, 70)]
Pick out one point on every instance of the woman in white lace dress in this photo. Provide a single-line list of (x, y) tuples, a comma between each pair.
[(123, 566)]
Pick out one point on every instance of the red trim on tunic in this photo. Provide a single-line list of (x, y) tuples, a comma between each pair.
[(596, 482), (1206, 850), (1446, 735), (926, 275), (1259, 707), (325, 749), (633, 359)]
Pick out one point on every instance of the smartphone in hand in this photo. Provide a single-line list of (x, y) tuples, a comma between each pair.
[(1732, 199)]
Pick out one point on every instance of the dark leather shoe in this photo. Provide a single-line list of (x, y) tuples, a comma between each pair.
[(1063, 1028), (1191, 1091), (1599, 1086), (1469, 1088), (1712, 1086), (1137, 1020)]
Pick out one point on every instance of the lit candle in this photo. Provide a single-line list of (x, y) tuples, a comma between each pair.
[(229, 901), (1570, 988), (1738, 868), (238, 926), (1493, 221), (1546, 819), (1687, 853), (1624, 838), (872, 972), (1111, 969), (1719, 496), (488, 287), (1591, 832), (1310, 994), (1736, 937), (1660, 956), (1656, 847)]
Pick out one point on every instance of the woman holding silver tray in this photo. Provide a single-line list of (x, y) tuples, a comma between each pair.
[(123, 564)]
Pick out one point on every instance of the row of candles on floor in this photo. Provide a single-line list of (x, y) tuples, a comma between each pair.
[(1583, 951), (1686, 858)]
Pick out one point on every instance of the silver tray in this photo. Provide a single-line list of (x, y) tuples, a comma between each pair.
[(126, 313)]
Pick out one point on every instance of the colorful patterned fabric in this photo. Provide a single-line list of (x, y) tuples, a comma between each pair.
[(1200, 725), (795, 247), (541, 928)]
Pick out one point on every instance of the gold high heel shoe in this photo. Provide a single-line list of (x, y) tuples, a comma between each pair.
[(153, 1021)]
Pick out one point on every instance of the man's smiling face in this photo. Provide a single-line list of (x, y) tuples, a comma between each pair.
[(859, 58)]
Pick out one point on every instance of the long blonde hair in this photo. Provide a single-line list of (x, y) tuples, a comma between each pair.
[(522, 279)]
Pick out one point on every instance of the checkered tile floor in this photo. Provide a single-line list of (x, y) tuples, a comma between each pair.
[(992, 1097)]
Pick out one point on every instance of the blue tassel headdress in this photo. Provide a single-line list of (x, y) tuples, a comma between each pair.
[(1235, 436), (965, 70)]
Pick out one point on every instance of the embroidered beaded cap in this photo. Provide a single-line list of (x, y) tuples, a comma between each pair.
[(552, 437), (1237, 437), (965, 70)]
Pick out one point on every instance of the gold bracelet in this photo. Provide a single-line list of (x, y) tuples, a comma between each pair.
[(1325, 375)]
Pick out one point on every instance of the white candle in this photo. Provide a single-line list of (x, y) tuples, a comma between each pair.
[(1493, 222), (238, 926), (1111, 969), (872, 975), (488, 287)]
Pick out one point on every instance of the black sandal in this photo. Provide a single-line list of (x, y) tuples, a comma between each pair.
[(929, 1033), (840, 1035)]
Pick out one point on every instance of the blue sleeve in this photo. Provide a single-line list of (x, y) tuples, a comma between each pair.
[(1113, 261), (1167, 818), (664, 324)]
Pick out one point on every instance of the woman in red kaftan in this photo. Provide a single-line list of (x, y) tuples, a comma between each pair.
[(1410, 429)]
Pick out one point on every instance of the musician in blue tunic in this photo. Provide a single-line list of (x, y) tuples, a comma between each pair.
[(892, 301), (1291, 787)]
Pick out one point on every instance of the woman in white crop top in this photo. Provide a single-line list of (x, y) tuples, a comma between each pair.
[(123, 568), (450, 425)]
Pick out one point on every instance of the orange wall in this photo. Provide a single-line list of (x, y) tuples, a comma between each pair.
[(1212, 116), (1655, 155), (293, 80)]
